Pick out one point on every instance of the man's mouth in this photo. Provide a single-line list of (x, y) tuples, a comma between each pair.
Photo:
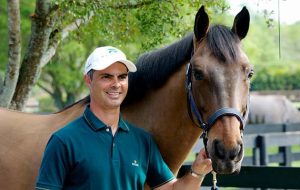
[(114, 94)]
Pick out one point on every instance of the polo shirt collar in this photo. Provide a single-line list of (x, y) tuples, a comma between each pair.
[(96, 124)]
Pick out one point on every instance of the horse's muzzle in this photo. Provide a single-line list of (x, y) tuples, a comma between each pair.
[(226, 160)]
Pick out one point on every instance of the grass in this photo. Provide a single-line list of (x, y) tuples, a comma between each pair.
[(191, 157), (274, 150), (296, 104)]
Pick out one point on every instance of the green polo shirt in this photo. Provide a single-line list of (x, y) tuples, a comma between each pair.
[(85, 155)]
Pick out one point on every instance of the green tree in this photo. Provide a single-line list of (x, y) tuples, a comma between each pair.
[(262, 46), (290, 42), (124, 21), (62, 78)]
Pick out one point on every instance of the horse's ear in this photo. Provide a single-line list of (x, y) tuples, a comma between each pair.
[(201, 24), (241, 23)]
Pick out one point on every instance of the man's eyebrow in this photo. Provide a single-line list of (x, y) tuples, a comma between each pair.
[(108, 74), (105, 74)]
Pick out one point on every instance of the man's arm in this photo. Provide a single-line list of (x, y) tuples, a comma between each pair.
[(192, 180)]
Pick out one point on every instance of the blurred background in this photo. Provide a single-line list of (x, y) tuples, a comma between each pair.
[(44, 45), (77, 27)]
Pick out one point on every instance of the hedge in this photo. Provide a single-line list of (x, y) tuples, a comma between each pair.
[(276, 78)]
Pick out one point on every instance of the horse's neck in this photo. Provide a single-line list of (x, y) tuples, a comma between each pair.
[(23, 138), (38, 127), (164, 114)]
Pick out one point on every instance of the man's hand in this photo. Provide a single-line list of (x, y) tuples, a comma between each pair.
[(202, 165)]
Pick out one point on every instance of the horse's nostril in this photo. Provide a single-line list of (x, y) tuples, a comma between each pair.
[(236, 152), (232, 154), (219, 149), (241, 153)]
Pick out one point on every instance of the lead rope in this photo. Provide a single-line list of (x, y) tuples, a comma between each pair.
[(214, 187), (214, 174)]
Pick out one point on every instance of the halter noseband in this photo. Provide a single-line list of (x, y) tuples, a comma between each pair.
[(193, 110)]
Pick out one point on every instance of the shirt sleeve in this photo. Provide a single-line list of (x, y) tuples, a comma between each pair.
[(158, 171), (54, 166)]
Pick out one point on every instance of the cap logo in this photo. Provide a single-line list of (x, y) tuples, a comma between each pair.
[(111, 50)]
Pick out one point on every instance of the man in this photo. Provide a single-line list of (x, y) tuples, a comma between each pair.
[(100, 150)]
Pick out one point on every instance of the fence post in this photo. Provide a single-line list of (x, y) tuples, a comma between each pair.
[(255, 156), (264, 159), (286, 151), (287, 156)]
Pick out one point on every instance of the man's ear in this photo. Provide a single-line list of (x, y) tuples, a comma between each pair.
[(87, 80)]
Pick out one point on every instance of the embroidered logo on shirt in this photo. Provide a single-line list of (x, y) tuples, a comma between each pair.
[(135, 163)]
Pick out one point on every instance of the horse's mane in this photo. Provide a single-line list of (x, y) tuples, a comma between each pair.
[(155, 67), (222, 43), (84, 101)]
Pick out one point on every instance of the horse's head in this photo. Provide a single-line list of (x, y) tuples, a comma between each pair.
[(219, 80)]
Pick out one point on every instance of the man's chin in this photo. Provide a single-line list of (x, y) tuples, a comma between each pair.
[(115, 103)]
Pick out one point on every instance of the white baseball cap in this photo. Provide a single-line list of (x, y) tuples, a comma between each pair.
[(103, 57)]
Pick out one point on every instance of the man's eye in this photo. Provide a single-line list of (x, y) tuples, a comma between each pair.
[(123, 77)]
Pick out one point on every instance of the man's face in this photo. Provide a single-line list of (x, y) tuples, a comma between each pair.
[(109, 87)]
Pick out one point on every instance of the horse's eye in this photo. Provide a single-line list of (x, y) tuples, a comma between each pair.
[(251, 73), (198, 75)]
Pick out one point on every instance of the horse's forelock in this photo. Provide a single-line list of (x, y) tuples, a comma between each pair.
[(223, 43)]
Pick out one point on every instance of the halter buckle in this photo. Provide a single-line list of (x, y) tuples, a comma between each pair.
[(204, 134)]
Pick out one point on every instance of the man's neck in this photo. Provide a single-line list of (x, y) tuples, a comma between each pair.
[(110, 117)]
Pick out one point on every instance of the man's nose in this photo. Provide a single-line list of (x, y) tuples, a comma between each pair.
[(116, 82)]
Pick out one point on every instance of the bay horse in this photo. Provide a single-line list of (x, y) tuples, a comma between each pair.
[(198, 85)]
